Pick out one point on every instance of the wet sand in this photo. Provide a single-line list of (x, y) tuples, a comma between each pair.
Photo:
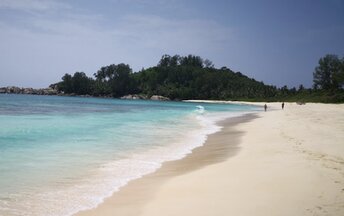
[(280, 162), (131, 198)]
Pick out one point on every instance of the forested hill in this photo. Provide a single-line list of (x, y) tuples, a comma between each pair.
[(175, 77), (191, 77)]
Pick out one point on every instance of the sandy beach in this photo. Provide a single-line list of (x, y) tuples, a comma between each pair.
[(279, 162)]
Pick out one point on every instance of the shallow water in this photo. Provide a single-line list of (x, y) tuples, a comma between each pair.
[(60, 155)]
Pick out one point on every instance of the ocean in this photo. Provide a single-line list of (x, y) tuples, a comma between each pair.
[(60, 155)]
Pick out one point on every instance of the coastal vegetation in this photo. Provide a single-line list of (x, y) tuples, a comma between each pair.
[(175, 77), (191, 77)]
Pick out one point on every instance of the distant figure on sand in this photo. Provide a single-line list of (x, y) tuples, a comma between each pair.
[(282, 105), (265, 107)]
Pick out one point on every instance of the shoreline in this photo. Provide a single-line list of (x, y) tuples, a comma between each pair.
[(133, 196), (291, 162), (288, 162)]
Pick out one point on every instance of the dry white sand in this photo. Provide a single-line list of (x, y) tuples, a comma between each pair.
[(290, 162)]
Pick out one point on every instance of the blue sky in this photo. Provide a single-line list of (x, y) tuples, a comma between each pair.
[(278, 42)]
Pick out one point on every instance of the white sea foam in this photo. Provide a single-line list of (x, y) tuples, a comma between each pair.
[(102, 182), (116, 174), (200, 109)]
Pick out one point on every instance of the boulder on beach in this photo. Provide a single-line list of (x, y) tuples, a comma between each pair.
[(134, 97), (159, 97), (17, 90)]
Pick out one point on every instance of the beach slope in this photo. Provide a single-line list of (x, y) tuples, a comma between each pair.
[(287, 162)]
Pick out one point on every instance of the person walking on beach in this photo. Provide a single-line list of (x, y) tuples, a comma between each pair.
[(282, 105), (265, 107)]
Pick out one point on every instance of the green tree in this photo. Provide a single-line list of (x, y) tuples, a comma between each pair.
[(122, 82), (208, 63), (328, 74), (191, 60), (82, 84), (115, 79), (339, 76), (67, 84), (164, 61), (301, 88)]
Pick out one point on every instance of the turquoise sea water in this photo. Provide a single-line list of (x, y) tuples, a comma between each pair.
[(60, 155)]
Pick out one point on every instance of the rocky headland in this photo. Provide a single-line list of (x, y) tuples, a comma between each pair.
[(54, 91), (18, 90)]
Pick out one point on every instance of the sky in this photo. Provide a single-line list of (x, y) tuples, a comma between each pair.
[(278, 42)]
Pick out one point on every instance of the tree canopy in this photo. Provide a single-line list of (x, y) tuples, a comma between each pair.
[(176, 77), (114, 79), (192, 77), (329, 74), (79, 83)]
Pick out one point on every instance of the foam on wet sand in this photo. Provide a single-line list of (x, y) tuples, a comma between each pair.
[(288, 162)]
